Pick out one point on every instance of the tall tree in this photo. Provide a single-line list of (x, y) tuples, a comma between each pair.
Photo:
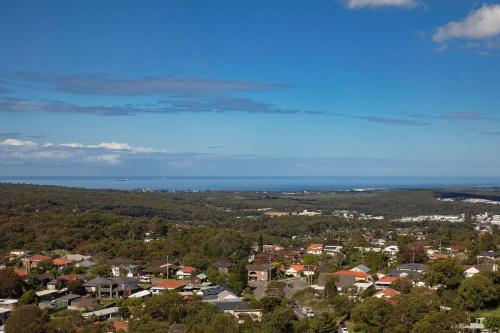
[(442, 322), (261, 244), (446, 272), (373, 315), (11, 285), (477, 292), (29, 297), (27, 319)]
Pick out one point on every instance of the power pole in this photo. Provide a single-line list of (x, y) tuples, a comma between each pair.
[(168, 268)]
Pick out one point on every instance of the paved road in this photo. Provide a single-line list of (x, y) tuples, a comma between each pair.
[(259, 287)]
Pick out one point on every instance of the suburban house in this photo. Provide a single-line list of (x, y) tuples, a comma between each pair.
[(160, 269), (86, 264), (299, 270), (360, 268), (185, 272), (358, 276), (259, 272), (332, 249), (346, 279), (471, 270), (18, 253), (387, 293), (21, 272), (385, 282), (34, 261), (168, 285), (77, 257), (86, 303), (8, 303), (125, 286), (391, 250), (104, 314), (141, 294), (99, 286), (220, 293), (412, 267), (456, 249), (316, 249), (240, 309), (223, 266), (272, 247), (119, 286), (437, 256), (62, 263), (489, 255)]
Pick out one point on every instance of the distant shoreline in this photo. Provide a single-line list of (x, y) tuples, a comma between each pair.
[(256, 183)]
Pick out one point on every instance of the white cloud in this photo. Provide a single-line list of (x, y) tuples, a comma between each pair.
[(480, 24), (72, 145), (355, 4), (15, 152), (114, 146), (18, 143), (112, 159)]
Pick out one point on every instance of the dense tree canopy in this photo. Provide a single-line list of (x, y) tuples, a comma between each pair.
[(11, 286)]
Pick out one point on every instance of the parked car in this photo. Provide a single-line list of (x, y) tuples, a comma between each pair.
[(145, 279), (310, 313)]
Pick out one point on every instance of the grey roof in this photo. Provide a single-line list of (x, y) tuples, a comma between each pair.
[(412, 267), (344, 281), (69, 297), (222, 264), (98, 281), (411, 274), (86, 264), (490, 253), (216, 290), (259, 267), (362, 268), (103, 312), (236, 305)]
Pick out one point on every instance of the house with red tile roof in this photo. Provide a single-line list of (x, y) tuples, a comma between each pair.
[(72, 277), (298, 270), (358, 276), (456, 249), (61, 263), (185, 272), (315, 249), (387, 293), (385, 282), (35, 260), (168, 285), (438, 256), (21, 272)]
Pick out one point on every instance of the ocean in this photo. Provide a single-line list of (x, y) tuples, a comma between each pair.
[(256, 183)]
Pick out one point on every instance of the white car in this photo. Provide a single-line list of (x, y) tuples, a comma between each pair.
[(145, 279)]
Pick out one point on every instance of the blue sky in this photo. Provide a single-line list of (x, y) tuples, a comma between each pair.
[(317, 88)]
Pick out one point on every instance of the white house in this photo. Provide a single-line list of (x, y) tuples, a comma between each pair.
[(391, 250), (332, 249), (315, 249)]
